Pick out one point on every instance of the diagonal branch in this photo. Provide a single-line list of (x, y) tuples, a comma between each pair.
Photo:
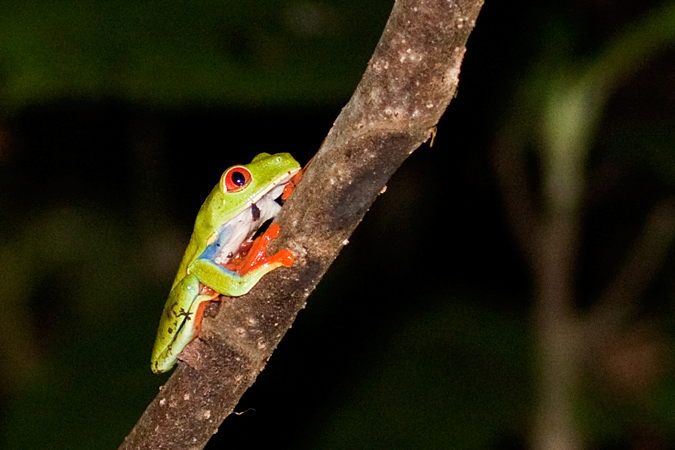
[(510, 166), (410, 80), (646, 257)]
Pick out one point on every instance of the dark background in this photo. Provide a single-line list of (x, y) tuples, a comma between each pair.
[(115, 122)]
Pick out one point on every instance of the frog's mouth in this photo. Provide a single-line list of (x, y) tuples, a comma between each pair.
[(237, 234)]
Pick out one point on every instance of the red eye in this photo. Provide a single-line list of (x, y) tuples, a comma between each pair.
[(236, 178)]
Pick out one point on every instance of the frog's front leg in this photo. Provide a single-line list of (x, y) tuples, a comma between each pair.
[(238, 278), (180, 321)]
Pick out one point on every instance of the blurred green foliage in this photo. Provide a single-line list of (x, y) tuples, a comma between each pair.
[(162, 53)]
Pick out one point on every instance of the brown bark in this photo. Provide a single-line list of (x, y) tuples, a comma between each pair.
[(410, 80)]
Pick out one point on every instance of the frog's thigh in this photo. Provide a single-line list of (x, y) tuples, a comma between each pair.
[(172, 334), (226, 281)]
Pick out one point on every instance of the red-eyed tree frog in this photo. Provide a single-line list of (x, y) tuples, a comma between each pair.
[(224, 255)]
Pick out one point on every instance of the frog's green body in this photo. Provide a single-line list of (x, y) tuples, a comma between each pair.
[(213, 263)]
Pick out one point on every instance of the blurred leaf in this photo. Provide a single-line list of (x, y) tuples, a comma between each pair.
[(170, 52)]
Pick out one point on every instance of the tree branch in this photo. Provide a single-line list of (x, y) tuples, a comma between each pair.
[(410, 80), (645, 258), (509, 163)]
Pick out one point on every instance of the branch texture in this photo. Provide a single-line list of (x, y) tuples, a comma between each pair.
[(410, 80)]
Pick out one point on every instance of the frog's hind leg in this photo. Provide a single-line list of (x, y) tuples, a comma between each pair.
[(238, 278), (180, 322)]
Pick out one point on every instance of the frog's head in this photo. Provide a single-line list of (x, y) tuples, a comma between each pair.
[(242, 187), (249, 193)]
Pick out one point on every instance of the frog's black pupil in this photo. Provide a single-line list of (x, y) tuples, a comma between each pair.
[(238, 178)]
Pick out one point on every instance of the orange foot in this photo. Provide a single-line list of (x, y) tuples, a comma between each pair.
[(291, 185), (255, 256)]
